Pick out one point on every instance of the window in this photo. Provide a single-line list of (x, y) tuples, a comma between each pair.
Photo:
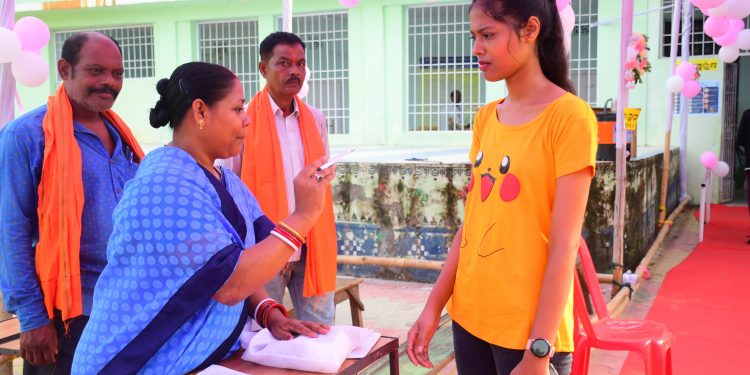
[(583, 49), (137, 43), (233, 44), (444, 81), (326, 38), (700, 43)]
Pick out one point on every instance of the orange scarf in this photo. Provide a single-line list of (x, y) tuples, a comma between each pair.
[(263, 173), (61, 205)]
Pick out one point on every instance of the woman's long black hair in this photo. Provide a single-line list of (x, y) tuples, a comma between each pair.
[(550, 47)]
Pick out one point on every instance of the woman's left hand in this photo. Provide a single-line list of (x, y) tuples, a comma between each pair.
[(283, 328), (531, 365)]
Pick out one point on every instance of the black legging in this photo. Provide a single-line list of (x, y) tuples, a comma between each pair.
[(475, 356)]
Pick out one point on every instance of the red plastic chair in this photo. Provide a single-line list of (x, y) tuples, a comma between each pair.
[(651, 340)]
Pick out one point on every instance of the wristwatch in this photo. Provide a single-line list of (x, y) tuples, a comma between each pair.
[(540, 348)]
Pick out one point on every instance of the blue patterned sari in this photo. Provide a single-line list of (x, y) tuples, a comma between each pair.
[(171, 249)]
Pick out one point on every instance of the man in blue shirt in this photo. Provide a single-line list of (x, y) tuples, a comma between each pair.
[(91, 68)]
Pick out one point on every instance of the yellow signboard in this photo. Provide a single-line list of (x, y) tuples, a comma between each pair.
[(631, 118), (704, 65)]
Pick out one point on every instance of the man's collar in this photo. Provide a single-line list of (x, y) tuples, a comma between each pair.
[(275, 107)]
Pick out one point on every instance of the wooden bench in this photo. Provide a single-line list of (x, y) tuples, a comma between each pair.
[(347, 288), (10, 337), (441, 353)]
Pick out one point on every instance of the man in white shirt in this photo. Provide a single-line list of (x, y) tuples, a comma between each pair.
[(298, 132), (454, 118)]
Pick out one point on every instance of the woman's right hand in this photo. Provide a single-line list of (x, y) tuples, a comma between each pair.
[(309, 190), (419, 337)]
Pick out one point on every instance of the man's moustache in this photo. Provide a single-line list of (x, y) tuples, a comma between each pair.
[(105, 90)]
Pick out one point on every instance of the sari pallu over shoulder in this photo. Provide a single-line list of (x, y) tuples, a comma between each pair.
[(170, 251)]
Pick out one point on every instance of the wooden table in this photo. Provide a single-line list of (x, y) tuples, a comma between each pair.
[(384, 346)]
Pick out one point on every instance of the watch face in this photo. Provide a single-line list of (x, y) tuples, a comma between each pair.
[(540, 348)]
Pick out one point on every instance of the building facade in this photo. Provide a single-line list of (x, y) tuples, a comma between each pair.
[(391, 72)]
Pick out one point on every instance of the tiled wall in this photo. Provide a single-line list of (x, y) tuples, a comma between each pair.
[(413, 211)]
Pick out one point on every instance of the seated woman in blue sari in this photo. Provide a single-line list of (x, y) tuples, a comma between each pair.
[(191, 249)]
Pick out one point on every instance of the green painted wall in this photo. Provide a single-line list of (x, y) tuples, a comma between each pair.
[(377, 68)]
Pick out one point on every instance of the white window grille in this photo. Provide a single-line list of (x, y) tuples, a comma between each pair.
[(234, 45), (700, 43), (440, 63), (136, 42), (326, 38), (583, 54)]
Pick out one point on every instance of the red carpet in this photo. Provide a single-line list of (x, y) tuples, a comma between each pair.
[(705, 301)]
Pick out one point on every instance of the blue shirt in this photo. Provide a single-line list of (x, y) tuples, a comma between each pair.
[(104, 178)]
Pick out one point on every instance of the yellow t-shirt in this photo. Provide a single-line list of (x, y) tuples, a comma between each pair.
[(508, 209)]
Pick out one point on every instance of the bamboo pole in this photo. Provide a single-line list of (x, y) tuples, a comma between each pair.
[(620, 161), (618, 302), (286, 15), (676, 11), (391, 262)]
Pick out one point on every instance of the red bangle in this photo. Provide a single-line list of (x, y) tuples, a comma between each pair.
[(267, 314), (291, 231), (288, 235)]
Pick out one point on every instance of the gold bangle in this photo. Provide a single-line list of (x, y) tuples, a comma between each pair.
[(292, 231)]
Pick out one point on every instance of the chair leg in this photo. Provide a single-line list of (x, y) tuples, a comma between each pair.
[(581, 359), (659, 361), (669, 361)]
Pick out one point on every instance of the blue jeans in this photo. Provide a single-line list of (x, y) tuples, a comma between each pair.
[(319, 309), (476, 356)]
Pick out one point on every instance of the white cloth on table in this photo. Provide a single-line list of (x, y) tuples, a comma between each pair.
[(325, 353)]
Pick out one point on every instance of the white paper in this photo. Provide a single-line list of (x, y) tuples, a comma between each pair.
[(219, 370)]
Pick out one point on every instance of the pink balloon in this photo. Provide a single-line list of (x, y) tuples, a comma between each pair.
[(686, 70), (709, 159), (707, 3), (730, 36), (33, 33), (691, 88), (561, 4), (349, 3), (716, 26)]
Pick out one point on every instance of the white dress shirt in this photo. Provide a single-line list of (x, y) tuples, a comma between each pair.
[(292, 151)]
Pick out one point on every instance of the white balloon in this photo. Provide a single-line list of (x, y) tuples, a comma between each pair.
[(721, 10), (675, 84), (303, 91), (11, 45), (738, 9), (743, 39), (721, 169), (729, 54), (568, 20), (30, 69)]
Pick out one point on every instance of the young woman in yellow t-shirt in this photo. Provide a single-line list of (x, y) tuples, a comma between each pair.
[(508, 274)]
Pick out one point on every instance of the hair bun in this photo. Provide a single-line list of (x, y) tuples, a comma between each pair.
[(162, 86), (159, 115)]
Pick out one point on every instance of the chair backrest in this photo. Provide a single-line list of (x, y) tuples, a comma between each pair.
[(592, 282)]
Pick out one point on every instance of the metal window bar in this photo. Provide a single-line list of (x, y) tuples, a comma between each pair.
[(700, 43), (233, 44), (326, 38), (136, 42), (583, 49), (440, 62)]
